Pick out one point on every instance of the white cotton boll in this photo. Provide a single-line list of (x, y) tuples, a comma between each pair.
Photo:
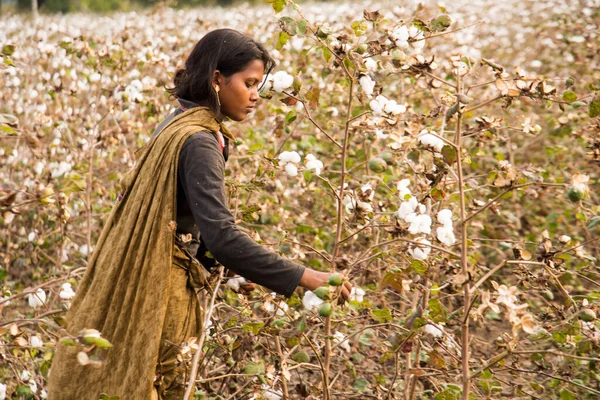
[(291, 169), (419, 223), (420, 252), (66, 292), (391, 107), (402, 187), (444, 217), (380, 134), (357, 294), (35, 341), (378, 105), (367, 84), (235, 282), (289, 156), (36, 299), (61, 169), (95, 77), (311, 301), (8, 218), (429, 140), (371, 65), (25, 375), (312, 164), (2, 391), (43, 394), (349, 203), (281, 81), (445, 234), (400, 36), (340, 339), (271, 394), (33, 386), (406, 208), (433, 330), (31, 236), (283, 308), (39, 168)]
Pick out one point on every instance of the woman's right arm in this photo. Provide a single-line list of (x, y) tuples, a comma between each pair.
[(201, 171)]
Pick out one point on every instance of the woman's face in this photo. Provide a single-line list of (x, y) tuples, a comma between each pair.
[(239, 92)]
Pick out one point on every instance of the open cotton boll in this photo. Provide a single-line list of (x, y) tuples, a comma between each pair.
[(433, 330), (291, 169), (270, 394), (235, 282), (281, 81), (391, 107), (402, 187), (340, 340), (429, 140), (2, 391), (35, 341), (367, 84), (357, 294), (289, 156), (419, 223), (36, 299), (283, 308), (66, 292), (420, 252), (444, 217), (311, 301), (445, 234), (378, 105), (312, 164), (400, 36), (371, 65), (406, 208)]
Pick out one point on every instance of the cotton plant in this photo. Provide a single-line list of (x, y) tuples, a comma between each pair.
[(235, 282), (289, 159), (445, 232), (312, 164), (340, 340), (367, 84), (37, 299), (381, 105), (427, 139), (279, 81), (311, 301), (421, 250), (66, 292)]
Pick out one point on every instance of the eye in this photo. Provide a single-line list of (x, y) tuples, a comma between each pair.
[(248, 85)]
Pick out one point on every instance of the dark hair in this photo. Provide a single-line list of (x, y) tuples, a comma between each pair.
[(226, 50)]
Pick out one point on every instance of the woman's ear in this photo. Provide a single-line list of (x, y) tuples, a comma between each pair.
[(217, 78)]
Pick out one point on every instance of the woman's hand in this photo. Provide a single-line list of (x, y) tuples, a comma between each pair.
[(312, 280)]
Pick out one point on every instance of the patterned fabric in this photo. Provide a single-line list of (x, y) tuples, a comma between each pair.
[(136, 290)]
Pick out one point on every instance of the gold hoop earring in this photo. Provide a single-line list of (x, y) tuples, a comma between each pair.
[(217, 90)]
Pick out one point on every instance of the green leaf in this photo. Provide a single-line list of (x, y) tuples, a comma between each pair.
[(569, 96), (254, 368), (7, 129), (419, 267), (301, 27), (288, 25), (282, 40), (392, 279), (98, 342), (381, 315), (278, 5), (441, 23), (359, 27), (67, 341), (594, 107), (420, 25), (594, 221), (449, 154), (8, 49), (105, 396), (3, 274), (566, 395), (253, 327), (361, 384), (291, 116)]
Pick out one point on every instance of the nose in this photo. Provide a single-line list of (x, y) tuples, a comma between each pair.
[(254, 97)]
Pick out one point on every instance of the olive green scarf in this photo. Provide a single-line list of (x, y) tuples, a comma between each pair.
[(125, 290)]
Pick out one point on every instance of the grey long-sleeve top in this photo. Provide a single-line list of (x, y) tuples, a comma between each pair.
[(201, 197)]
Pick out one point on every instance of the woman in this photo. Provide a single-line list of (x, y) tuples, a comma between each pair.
[(140, 286)]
